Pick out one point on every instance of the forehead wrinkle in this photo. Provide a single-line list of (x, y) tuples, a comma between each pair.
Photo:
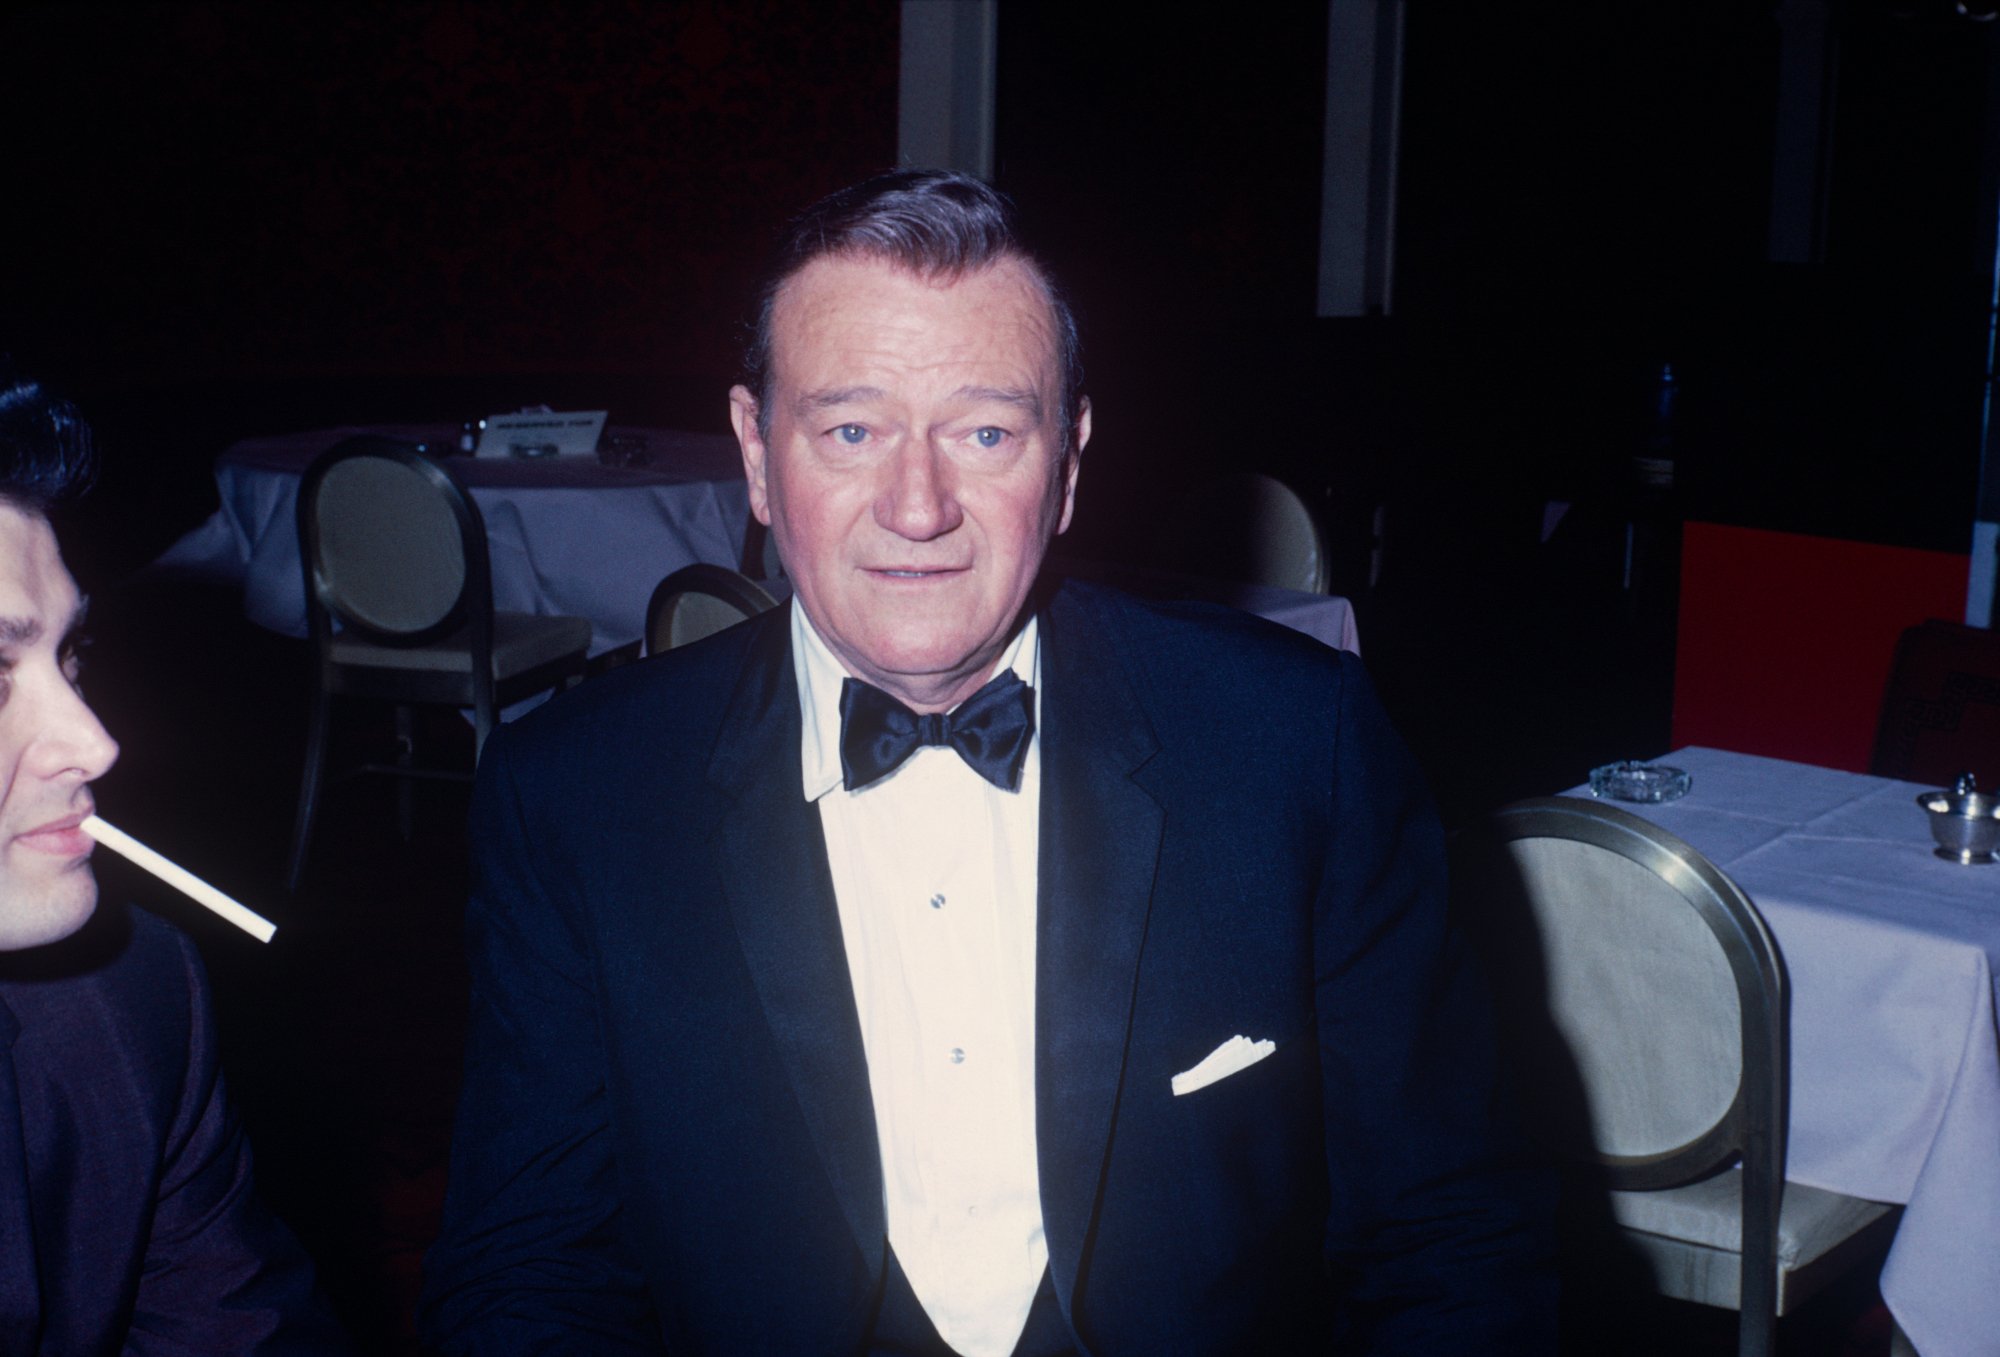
[(1026, 399), (828, 398), (822, 307)]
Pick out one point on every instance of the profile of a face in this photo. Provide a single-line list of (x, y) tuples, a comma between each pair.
[(51, 744), (911, 466)]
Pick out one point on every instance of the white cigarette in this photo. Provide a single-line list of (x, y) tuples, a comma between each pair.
[(180, 878)]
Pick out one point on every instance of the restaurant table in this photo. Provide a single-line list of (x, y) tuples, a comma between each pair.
[(1891, 953), (566, 535)]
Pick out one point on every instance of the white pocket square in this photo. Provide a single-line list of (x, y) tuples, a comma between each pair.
[(1235, 1054)]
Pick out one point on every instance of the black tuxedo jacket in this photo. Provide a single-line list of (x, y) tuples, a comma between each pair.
[(127, 1220), (666, 1139)]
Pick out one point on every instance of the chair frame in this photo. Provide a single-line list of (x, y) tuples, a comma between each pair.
[(474, 603), (1198, 500), (739, 592), (1756, 1122), (473, 608)]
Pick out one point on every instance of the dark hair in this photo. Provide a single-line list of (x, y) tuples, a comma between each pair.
[(936, 223), (46, 454)]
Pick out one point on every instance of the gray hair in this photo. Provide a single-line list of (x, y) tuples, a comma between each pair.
[(936, 223)]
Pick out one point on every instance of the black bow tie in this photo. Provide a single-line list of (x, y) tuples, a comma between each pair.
[(990, 730)]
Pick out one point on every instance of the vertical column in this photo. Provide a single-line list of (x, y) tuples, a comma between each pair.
[(944, 108), (1982, 609), (1357, 218), (1802, 134)]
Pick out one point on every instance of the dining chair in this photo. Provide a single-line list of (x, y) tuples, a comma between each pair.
[(1941, 713), (1248, 528), (1643, 1003), (699, 600), (399, 608)]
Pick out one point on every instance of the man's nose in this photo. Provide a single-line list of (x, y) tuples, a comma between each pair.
[(920, 501), (72, 739)]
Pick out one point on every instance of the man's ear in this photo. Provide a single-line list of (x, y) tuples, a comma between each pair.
[(1075, 464), (743, 418)]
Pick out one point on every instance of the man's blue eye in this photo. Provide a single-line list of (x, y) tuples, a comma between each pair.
[(988, 438), (850, 433)]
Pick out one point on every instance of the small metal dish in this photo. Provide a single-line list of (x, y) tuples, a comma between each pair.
[(1645, 783), (1965, 822)]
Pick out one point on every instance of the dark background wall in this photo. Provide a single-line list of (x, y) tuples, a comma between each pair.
[(1585, 195), (224, 217), (229, 217), (221, 217), (254, 190)]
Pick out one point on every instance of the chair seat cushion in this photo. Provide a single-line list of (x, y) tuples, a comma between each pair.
[(1710, 1213), (521, 641)]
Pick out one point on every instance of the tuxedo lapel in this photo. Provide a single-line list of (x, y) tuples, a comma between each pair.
[(1100, 841), (20, 1284), (771, 858), (1100, 838)]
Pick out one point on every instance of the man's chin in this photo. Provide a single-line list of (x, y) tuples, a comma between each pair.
[(919, 679), (53, 917)]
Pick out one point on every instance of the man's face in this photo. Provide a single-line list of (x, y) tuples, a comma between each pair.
[(51, 746), (913, 474)]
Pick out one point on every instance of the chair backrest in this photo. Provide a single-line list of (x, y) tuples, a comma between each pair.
[(391, 545), (1941, 715), (1655, 992), (699, 600), (1639, 981), (1252, 529)]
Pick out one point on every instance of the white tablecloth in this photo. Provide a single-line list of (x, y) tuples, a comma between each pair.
[(1892, 954), (1326, 617), (566, 535)]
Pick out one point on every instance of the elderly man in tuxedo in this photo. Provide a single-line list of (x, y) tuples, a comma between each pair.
[(952, 964), (128, 1221)]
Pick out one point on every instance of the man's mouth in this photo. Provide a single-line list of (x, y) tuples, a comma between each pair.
[(63, 837)]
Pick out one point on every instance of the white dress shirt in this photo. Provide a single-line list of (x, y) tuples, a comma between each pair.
[(934, 874)]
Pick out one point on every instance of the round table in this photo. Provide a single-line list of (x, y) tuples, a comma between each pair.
[(566, 535)]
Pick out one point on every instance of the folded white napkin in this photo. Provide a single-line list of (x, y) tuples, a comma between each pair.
[(1239, 1052)]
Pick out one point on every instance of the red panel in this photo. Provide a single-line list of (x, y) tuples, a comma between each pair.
[(1785, 640)]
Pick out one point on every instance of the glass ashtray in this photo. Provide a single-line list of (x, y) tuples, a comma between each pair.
[(1629, 780)]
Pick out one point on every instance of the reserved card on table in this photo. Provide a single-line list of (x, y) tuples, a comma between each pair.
[(539, 433)]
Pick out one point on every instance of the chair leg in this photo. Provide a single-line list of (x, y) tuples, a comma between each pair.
[(485, 715), (406, 759), (310, 785), (1757, 1332)]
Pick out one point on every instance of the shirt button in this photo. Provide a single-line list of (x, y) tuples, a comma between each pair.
[(937, 901), (958, 1055)]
